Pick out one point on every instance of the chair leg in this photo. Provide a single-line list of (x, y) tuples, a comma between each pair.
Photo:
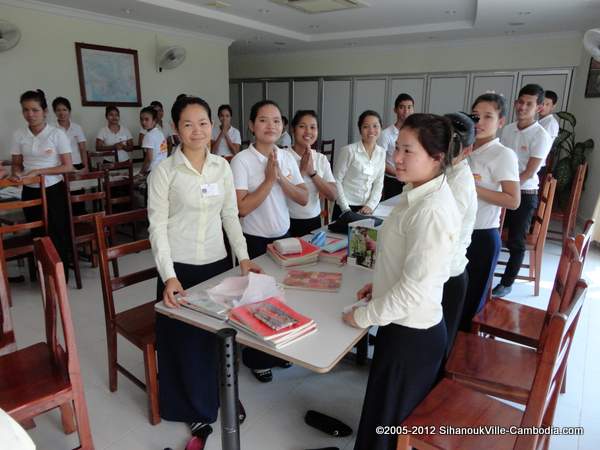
[(538, 272), (67, 417), (115, 265), (83, 421), (532, 268), (31, 267), (28, 424), (94, 253), (111, 341), (151, 383), (563, 386), (76, 267), (404, 442)]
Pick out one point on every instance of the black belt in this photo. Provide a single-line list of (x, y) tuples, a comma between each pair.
[(529, 191)]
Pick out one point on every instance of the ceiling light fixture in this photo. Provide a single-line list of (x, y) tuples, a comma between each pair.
[(264, 11), (279, 43), (127, 11), (516, 24), (313, 27), (524, 13), (450, 12)]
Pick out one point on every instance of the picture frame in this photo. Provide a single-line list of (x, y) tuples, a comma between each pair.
[(108, 75), (592, 86)]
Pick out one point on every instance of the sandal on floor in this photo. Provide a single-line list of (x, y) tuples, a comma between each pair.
[(241, 412), (263, 375), (196, 443), (285, 365)]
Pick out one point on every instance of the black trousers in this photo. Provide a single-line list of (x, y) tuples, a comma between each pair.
[(453, 302), (187, 356), (483, 256), (58, 218), (518, 222), (302, 227), (254, 359), (391, 187), (404, 369), (337, 212)]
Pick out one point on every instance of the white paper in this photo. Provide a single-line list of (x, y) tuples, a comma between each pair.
[(252, 288), (358, 304), (383, 210)]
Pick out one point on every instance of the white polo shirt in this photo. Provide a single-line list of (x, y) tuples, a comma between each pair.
[(272, 217), (462, 184), (156, 142), (234, 136), (531, 142), (387, 140), (76, 136), (359, 178), (110, 138), (285, 140), (550, 124), (41, 151), (491, 164), (313, 207)]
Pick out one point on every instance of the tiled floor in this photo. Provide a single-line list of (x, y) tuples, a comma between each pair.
[(275, 410)]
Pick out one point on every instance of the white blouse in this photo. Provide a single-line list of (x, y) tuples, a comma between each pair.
[(109, 138), (359, 178), (415, 252), (187, 211)]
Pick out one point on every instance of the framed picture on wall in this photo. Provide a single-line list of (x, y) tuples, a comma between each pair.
[(592, 87), (108, 75)]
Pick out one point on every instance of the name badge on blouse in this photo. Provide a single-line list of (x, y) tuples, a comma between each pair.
[(210, 190)]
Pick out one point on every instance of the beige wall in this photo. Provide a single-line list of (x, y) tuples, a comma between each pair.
[(557, 50), (45, 59), (587, 111)]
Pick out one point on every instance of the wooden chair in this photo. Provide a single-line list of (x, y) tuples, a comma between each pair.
[(47, 375), (101, 156), (536, 238), (81, 226), (7, 335), (119, 187), (453, 404), (568, 217), (135, 324), (504, 369), (19, 243), (328, 149)]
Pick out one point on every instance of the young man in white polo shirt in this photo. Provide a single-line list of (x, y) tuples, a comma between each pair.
[(546, 118), (404, 106), (532, 143)]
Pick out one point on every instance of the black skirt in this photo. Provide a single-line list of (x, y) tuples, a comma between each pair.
[(187, 356), (302, 227), (405, 366)]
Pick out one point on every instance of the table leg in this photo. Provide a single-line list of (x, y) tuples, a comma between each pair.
[(228, 389), (362, 350)]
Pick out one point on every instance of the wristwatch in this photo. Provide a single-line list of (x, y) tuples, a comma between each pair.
[(312, 174)]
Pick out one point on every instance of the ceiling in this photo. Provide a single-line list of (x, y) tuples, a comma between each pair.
[(259, 26)]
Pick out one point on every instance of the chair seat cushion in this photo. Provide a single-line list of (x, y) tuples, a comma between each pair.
[(137, 324)]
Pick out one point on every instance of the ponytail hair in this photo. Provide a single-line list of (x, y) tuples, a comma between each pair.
[(37, 95), (435, 134)]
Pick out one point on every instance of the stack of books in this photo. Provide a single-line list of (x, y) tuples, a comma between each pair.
[(313, 281), (308, 255), (335, 251), (272, 322)]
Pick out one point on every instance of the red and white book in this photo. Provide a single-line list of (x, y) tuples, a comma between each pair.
[(313, 281), (308, 255)]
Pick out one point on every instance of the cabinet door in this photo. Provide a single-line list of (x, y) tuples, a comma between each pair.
[(503, 84), (447, 93), (368, 94), (415, 87), (306, 95), (557, 81), (253, 92), (279, 92), (336, 111), (234, 101)]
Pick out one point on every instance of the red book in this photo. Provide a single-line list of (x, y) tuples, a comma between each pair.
[(309, 254), (315, 281)]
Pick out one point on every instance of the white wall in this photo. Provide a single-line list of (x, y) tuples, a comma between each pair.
[(587, 112), (45, 59), (553, 50)]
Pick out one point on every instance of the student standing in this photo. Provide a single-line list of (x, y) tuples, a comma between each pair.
[(404, 300), (154, 143), (531, 143), (496, 173), (164, 126), (546, 118), (359, 169), (462, 185), (315, 170), (226, 140), (191, 198), (41, 149), (285, 140), (114, 136), (404, 106), (265, 177), (62, 110)]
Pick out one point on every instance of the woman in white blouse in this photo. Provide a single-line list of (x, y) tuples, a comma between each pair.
[(62, 111), (415, 252), (191, 198), (226, 140), (41, 149), (315, 170), (359, 169), (114, 136)]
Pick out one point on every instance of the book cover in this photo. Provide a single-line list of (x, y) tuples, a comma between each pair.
[(309, 254), (362, 243), (316, 281)]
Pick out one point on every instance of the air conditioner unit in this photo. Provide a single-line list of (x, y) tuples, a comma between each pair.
[(322, 6)]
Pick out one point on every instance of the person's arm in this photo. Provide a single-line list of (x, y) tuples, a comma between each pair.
[(129, 145), (84, 157), (509, 197), (214, 145), (249, 201), (326, 188), (148, 155), (102, 147), (533, 165), (376, 190), (325, 184), (230, 217), (16, 170), (140, 138), (340, 168), (233, 147), (66, 165), (298, 193)]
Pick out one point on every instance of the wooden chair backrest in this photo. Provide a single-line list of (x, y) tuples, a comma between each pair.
[(97, 198), (541, 218), (56, 303), (583, 240), (108, 253), (101, 155), (541, 405), (574, 198), (328, 149), (7, 335), (125, 174), (17, 205)]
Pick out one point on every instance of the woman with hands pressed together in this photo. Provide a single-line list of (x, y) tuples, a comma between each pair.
[(114, 136), (416, 248), (191, 197)]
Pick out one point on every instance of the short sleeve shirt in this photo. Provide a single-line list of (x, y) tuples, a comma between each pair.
[(234, 136), (76, 136), (387, 140), (41, 151), (156, 142), (110, 138)]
